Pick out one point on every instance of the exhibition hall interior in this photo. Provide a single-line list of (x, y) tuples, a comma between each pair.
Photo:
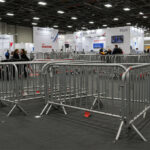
[(74, 74)]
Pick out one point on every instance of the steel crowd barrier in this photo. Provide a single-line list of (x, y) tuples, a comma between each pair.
[(22, 81), (106, 89)]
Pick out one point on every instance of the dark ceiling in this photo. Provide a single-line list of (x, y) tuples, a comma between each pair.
[(84, 10)]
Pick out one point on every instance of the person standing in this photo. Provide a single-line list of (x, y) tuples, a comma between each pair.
[(117, 50), (7, 54)]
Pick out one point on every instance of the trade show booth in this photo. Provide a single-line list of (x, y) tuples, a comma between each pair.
[(6, 43), (126, 38)]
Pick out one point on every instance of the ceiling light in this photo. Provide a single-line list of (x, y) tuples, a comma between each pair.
[(34, 24), (108, 5), (69, 26), (36, 18), (141, 13), (128, 23), (83, 28), (55, 26), (2, 1), (60, 12), (145, 17), (10, 14), (116, 19), (91, 22), (126, 9), (74, 18), (42, 3), (105, 25)]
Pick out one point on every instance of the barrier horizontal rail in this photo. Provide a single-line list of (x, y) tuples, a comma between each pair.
[(50, 55), (115, 58), (105, 89)]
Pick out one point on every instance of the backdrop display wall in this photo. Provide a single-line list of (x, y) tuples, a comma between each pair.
[(6, 43), (45, 39), (90, 40), (123, 32), (137, 38)]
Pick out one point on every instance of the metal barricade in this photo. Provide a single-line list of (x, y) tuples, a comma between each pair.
[(135, 93), (25, 78), (94, 88), (106, 89), (9, 85)]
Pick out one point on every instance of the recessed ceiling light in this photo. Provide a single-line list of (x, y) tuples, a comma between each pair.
[(10, 14), (116, 19), (83, 28), (74, 18), (141, 13), (91, 22), (34, 24), (60, 12), (69, 26), (145, 17), (128, 23), (104, 25), (108, 5), (36, 18), (2, 1), (55, 26), (42, 3), (126, 9)]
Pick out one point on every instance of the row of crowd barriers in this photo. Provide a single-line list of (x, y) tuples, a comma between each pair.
[(51, 55), (107, 89), (114, 58)]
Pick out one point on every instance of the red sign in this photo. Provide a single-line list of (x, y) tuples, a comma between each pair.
[(46, 46)]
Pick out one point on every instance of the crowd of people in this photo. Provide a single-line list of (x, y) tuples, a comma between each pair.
[(16, 55), (115, 51)]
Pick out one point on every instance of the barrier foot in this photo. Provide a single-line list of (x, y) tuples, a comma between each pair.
[(21, 109), (44, 109), (119, 131), (14, 107), (139, 133)]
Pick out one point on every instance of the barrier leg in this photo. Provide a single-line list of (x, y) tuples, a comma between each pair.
[(96, 101), (48, 110), (119, 131), (63, 108), (14, 107), (44, 109), (138, 132), (21, 109)]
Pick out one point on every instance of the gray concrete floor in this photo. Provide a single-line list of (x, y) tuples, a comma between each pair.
[(59, 132)]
